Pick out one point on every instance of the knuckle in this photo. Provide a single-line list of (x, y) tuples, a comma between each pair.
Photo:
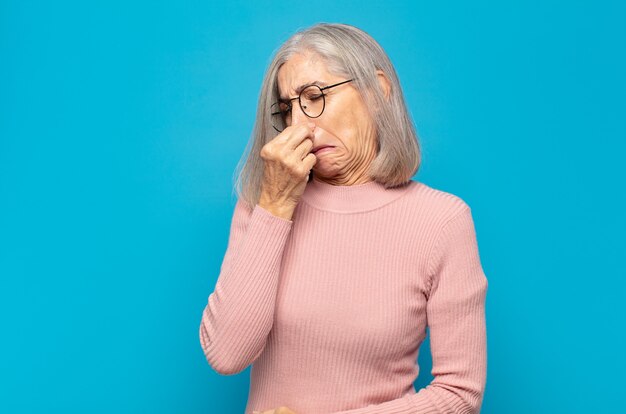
[(302, 171), (268, 152)]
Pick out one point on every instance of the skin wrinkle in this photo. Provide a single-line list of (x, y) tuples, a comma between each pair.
[(299, 89), (344, 124)]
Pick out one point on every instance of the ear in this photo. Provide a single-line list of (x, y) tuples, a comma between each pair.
[(385, 83)]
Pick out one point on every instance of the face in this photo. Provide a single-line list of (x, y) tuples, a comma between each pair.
[(345, 123)]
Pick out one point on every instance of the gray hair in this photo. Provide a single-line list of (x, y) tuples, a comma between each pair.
[(350, 52)]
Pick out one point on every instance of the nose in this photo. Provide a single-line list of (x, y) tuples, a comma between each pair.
[(297, 115)]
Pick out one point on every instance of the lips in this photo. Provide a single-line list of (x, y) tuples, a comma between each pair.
[(321, 147)]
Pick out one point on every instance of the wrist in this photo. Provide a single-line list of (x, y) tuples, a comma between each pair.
[(284, 212)]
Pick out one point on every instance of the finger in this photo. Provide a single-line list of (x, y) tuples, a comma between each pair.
[(310, 160), (298, 134), (304, 148)]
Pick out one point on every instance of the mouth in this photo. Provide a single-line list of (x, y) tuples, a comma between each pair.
[(323, 147)]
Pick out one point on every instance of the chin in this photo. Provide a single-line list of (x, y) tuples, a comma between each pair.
[(324, 172)]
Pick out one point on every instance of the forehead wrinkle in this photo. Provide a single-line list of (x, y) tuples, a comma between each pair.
[(304, 85)]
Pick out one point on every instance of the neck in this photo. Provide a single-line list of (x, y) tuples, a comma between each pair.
[(342, 181)]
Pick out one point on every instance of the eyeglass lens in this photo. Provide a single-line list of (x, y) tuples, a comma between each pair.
[(311, 102)]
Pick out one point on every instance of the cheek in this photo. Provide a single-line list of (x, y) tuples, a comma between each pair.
[(356, 127), (343, 125)]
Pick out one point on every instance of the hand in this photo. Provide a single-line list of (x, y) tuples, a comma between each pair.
[(288, 160), (279, 410)]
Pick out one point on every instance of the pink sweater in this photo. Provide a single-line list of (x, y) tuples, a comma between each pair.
[(332, 306)]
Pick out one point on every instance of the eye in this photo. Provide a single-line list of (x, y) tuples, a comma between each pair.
[(312, 94)]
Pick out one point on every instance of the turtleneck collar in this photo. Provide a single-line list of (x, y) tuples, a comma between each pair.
[(350, 198)]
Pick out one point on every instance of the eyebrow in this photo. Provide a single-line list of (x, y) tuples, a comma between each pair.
[(299, 88)]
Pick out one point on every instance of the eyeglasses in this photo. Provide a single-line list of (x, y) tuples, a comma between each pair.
[(312, 102)]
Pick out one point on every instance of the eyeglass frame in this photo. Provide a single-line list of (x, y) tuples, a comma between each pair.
[(288, 101)]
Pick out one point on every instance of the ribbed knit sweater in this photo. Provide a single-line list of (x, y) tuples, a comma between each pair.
[(331, 307)]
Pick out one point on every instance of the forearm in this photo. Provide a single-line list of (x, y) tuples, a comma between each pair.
[(239, 313)]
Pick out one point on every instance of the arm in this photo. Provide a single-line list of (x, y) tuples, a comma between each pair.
[(240, 311), (456, 321)]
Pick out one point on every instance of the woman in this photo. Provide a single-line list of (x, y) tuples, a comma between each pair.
[(337, 260)]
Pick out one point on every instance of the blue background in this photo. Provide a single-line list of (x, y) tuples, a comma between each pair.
[(121, 125)]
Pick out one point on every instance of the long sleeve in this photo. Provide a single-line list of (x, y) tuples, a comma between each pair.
[(456, 320), (240, 311)]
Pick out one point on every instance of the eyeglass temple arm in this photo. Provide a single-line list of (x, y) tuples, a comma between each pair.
[(336, 84)]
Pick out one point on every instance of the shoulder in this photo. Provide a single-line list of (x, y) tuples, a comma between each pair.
[(436, 204)]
